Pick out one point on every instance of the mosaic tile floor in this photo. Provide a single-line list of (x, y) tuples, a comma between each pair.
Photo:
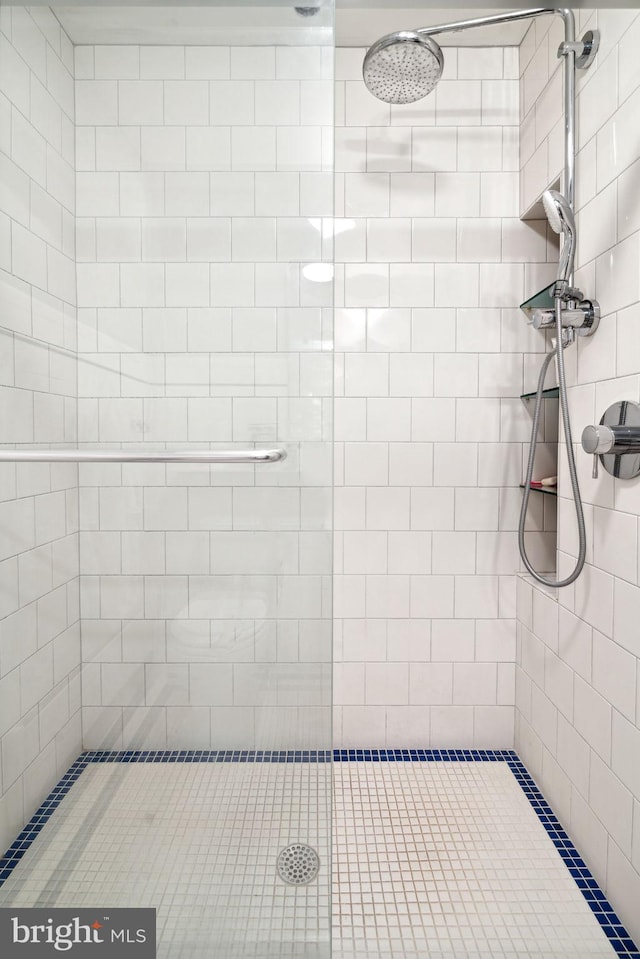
[(432, 860), (197, 841), (448, 860)]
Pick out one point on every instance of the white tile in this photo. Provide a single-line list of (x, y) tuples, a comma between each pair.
[(388, 239), (117, 148), (613, 674), (277, 194), (253, 63), (386, 683), (141, 194), (476, 596), (298, 148), (431, 684), (592, 718), (457, 285), (163, 63), (615, 153), (162, 148), (458, 101), (366, 464), (432, 509), (163, 239), (142, 284), (594, 599), (410, 285), (410, 463), (458, 194), (453, 552), (409, 552), (388, 149), (140, 102), (498, 194), (388, 419), (232, 284), (575, 643), (186, 194), (452, 640), (625, 744), (611, 802), (187, 284), (387, 508), (186, 102), (480, 148), (367, 194), (207, 62), (118, 240), (116, 62), (277, 103), (615, 543), (96, 102), (474, 684)]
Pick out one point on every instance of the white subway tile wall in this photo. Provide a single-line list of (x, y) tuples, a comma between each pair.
[(205, 295), (578, 672), (432, 355), (40, 732)]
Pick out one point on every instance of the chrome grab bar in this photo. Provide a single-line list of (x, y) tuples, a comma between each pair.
[(159, 456)]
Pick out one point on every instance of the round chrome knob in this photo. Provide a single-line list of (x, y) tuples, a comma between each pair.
[(597, 439)]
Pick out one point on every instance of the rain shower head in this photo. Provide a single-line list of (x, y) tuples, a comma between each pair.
[(561, 220), (402, 67)]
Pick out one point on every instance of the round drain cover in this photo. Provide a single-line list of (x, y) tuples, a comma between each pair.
[(298, 864)]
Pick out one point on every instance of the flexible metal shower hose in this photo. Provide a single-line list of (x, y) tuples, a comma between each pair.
[(564, 406)]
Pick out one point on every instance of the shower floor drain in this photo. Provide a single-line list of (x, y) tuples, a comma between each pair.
[(298, 864)]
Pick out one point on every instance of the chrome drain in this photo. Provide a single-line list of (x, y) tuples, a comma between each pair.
[(298, 864)]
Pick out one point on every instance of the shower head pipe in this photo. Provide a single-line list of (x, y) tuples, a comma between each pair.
[(458, 25), (569, 71), (569, 54)]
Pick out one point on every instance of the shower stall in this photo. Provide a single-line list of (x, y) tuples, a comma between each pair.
[(271, 665)]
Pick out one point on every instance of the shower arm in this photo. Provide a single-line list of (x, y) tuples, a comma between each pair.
[(568, 50)]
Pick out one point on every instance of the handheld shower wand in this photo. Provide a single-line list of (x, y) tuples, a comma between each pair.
[(561, 219)]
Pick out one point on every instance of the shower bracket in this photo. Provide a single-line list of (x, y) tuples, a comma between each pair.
[(577, 313), (585, 50)]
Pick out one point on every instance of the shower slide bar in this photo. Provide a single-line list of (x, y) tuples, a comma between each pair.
[(141, 456)]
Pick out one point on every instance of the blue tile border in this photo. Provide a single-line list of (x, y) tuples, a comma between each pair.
[(610, 924)]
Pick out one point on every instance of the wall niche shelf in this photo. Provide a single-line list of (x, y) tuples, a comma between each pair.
[(553, 393), (548, 490), (544, 507)]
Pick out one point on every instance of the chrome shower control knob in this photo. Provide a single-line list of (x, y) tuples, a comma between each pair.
[(597, 439)]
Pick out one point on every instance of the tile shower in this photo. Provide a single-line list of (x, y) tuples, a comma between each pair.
[(160, 208)]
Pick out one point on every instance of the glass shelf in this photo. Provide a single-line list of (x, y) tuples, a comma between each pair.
[(552, 393), (542, 300), (548, 490)]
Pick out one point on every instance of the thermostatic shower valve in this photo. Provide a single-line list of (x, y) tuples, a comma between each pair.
[(616, 441)]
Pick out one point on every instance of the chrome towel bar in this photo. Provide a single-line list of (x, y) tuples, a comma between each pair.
[(158, 456)]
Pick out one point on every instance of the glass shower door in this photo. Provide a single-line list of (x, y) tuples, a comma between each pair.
[(167, 287)]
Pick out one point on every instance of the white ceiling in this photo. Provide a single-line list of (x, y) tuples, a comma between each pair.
[(358, 22), (240, 24)]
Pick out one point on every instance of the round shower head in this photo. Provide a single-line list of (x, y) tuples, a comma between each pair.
[(402, 67)]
